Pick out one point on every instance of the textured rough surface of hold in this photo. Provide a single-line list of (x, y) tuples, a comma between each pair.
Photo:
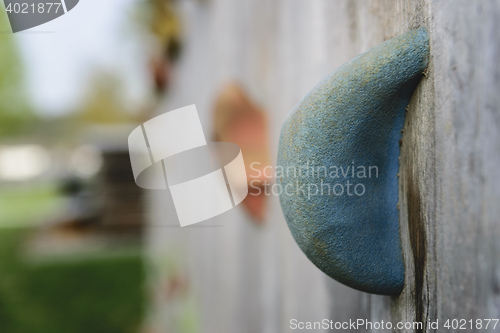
[(352, 121)]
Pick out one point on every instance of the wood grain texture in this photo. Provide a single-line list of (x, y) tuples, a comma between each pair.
[(243, 278)]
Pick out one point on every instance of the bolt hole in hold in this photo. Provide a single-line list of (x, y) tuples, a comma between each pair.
[(352, 121), (239, 120)]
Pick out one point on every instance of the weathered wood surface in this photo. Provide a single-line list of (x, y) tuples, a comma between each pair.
[(244, 278)]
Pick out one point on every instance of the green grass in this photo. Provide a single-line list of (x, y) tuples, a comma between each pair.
[(21, 206), (98, 294)]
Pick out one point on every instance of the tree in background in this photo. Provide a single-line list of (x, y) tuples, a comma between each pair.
[(15, 112)]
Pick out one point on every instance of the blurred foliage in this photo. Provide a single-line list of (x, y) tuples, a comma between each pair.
[(103, 103), (98, 295), (15, 113)]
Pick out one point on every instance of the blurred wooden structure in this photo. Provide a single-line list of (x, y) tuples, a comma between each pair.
[(123, 208)]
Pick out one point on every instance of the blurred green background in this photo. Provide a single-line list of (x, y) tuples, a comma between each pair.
[(80, 295), (52, 277)]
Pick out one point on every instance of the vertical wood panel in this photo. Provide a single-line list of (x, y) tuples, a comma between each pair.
[(243, 278)]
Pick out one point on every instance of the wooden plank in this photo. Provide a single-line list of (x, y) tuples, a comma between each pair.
[(248, 279)]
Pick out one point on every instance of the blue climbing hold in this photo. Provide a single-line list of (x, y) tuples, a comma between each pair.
[(338, 164)]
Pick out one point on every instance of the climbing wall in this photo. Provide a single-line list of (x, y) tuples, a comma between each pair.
[(232, 275)]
